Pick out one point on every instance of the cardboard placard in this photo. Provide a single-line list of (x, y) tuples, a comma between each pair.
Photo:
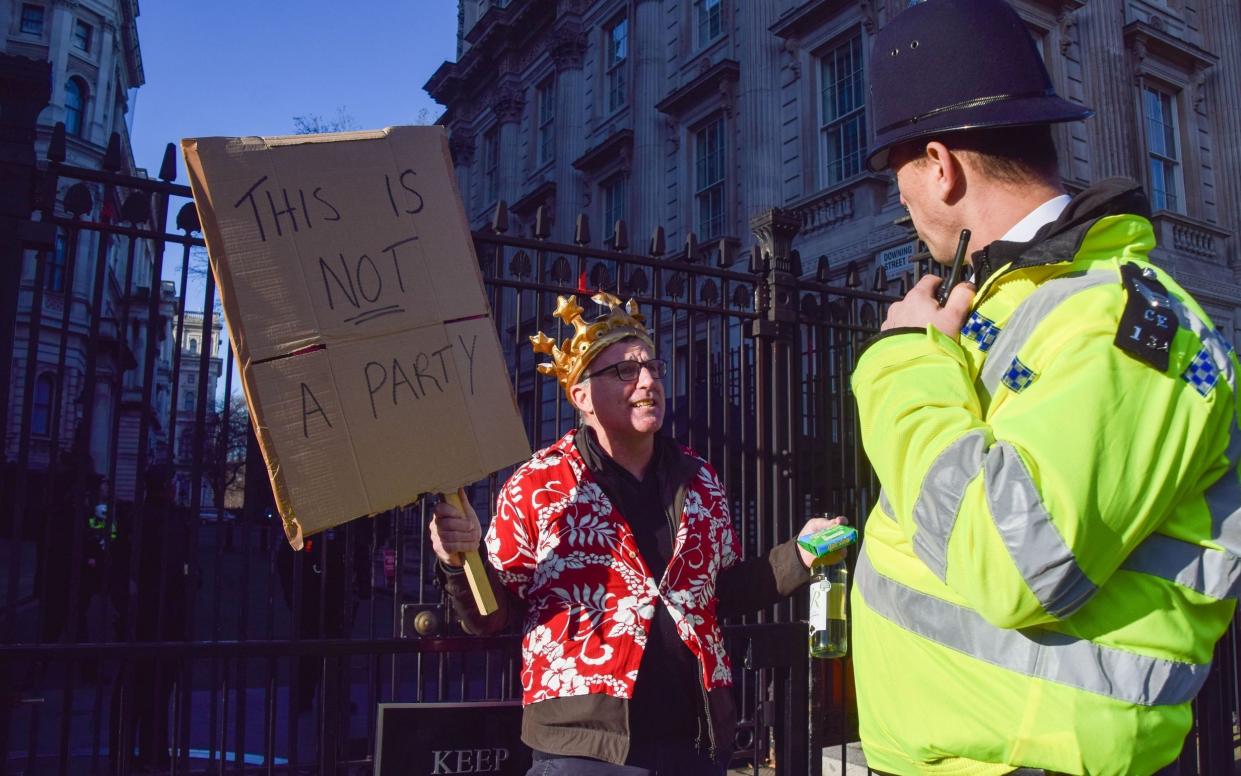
[(355, 305)]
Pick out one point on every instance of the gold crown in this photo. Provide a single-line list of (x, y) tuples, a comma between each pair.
[(589, 339)]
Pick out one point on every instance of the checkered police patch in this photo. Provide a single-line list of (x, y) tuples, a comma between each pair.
[(982, 330), (1202, 373), (1018, 376)]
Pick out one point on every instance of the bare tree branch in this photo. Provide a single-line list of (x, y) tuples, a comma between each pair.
[(314, 124)]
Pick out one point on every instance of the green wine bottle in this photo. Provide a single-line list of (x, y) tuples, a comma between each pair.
[(829, 624)]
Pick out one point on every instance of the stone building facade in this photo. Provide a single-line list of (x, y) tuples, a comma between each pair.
[(695, 115), (96, 67), (188, 385)]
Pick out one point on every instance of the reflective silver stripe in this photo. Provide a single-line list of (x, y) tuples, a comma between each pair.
[(935, 511), (1032, 652), (886, 505), (1029, 314), (1210, 572), (1039, 552), (1224, 498), (1045, 561)]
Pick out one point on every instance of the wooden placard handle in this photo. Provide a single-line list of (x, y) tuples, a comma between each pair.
[(475, 571)]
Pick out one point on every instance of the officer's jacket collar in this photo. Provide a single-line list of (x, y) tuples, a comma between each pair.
[(1061, 239)]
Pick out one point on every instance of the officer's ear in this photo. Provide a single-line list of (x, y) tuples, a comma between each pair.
[(947, 177)]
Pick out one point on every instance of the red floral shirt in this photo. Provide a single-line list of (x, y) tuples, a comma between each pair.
[(559, 543)]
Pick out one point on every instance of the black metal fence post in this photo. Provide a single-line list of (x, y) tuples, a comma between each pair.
[(25, 87), (779, 408)]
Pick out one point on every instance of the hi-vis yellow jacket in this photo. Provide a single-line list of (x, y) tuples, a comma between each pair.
[(1057, 544)]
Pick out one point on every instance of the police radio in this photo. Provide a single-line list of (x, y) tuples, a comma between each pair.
[(954, 273)]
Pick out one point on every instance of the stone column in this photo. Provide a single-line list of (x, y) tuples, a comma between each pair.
[(509, 104), (568, 51), (758, 109), (104, 99), (1221, 22), (61, 35), (461, 144), (646, 181), (1115, 139)]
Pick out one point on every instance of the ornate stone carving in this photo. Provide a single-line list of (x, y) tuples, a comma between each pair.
[(567, 48), (509, 102), (727, 97), (792, 59), (870, 21), (1066, 22), (1138, 56), (461, 145), (1197, 88)]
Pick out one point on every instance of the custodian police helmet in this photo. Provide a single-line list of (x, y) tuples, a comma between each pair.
[(948, 65)]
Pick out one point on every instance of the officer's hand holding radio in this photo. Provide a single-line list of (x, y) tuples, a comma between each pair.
[(920, 307)]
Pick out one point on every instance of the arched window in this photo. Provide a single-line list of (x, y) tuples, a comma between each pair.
[(75, 106), (193, 346), (41, 409)]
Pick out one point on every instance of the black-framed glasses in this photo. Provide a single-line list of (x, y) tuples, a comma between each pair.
[(628, 371)]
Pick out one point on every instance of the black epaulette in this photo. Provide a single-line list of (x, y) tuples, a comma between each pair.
[(1148, 323)]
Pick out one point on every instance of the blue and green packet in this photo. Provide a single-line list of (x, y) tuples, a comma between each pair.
[(828, 540)]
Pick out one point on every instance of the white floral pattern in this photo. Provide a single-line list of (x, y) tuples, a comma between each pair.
[(558, 542)]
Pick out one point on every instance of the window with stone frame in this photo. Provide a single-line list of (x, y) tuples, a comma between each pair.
[(55, 271), (842, 111), (1163, 148), (709, 21), (491, 166), (75, 106), (709, 180), (33, 17), (615, 197), (616, 61), (41, 406), (546, 113), (83, 35)]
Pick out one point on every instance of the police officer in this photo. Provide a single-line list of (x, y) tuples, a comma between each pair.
[(1055, 548)]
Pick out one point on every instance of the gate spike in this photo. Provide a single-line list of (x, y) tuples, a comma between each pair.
[(581, 235), (56, 148), (756, 260), (691, 247), (168, 168), (658, 246), (499, 221), (820, 272), (112, 157), (542, 223), (620, 236), (795, 262), (881, 279)]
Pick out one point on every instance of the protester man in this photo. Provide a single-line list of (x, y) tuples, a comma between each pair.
[(1055, 548), (618, 546)]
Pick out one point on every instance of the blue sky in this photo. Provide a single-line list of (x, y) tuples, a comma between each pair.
[(247, 67)]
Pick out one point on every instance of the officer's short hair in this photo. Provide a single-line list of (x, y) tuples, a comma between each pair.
[(1007, 154)]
